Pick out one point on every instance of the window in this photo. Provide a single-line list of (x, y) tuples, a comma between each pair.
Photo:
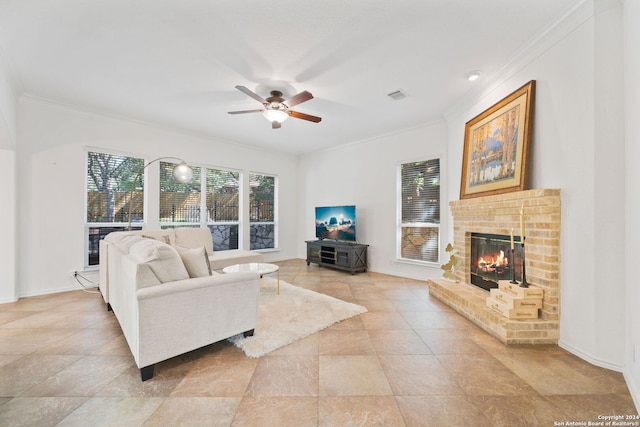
[(109, 183), (419, 205), (262, 209), (179, 203), (223, 208), (212, 199), (183, 205)]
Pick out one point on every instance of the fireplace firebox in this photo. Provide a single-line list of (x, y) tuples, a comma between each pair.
[(491, 259)]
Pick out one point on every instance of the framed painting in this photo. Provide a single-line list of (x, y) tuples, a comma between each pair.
[(496, 146)]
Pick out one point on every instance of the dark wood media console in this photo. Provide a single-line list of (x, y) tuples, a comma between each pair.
[(335, 254)]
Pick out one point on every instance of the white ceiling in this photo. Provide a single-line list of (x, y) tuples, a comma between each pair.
[(176, 62)]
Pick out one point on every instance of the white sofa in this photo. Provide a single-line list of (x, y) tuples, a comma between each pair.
[(178, 237), (169, 302)]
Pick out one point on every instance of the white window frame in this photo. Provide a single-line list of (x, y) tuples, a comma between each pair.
[(400, 225), (178, 224), (89, 225), (151, 203), (205, 217), (275, 212)]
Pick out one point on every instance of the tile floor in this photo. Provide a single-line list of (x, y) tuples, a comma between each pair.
[(408, 361)]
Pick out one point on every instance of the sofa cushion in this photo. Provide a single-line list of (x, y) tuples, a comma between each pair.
[(127, 241), (162, 237), (166, 236), (195, 261), (163, 259), (194, 238), (123, 241)]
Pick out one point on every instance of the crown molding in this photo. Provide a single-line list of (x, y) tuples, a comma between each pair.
[(375, 138), (9, 70), (569, 22), (105, 115)]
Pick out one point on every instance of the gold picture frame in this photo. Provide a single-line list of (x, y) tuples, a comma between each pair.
[(496, 146)]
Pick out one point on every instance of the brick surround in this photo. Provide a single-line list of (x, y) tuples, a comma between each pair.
[(499, 214)]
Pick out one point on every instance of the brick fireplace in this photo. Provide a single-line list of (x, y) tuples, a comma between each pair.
[(499, 214)]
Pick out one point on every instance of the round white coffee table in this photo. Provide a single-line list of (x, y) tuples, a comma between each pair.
[(261, 268)]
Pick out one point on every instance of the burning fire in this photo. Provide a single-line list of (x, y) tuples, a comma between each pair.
[(491, 263)]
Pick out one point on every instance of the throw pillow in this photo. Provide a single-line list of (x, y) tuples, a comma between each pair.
[(194, 238), (163, 238), (163, 259), (195, 260)]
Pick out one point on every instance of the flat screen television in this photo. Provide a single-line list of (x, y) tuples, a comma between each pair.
[(336, 222)]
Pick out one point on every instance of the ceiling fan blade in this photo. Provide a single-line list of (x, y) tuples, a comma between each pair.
[(304, 116), (276, 125), (299, 99), (251, 94), (246, 111)]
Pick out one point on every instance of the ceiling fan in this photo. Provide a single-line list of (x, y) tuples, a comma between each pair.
[(276, 109)]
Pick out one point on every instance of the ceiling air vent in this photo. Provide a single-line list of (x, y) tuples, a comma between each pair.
[(397, 95)]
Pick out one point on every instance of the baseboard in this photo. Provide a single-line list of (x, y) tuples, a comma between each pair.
[(8, 300), (597, 362), (56, 291)]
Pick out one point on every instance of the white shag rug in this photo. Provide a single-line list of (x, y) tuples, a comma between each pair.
[(293, 314)]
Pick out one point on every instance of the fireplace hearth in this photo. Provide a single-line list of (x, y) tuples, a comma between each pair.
[(493, 218), (492, 260)]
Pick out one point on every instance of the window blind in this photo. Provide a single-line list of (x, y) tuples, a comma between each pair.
[(109, 181), (262, 211), (420, 210), (223, 195), (179, 202), (421, 192)]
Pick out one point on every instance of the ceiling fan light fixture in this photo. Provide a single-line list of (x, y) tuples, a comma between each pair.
[(276, 109), (275, 115)]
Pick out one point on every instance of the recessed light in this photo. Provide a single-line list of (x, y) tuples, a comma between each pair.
[(473, 76)]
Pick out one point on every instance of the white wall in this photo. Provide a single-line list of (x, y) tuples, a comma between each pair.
[(632, 156), (577, 147), (578, 142), (609, 182), (8, 106), (51, 183), (364, 174), (8, 218)]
